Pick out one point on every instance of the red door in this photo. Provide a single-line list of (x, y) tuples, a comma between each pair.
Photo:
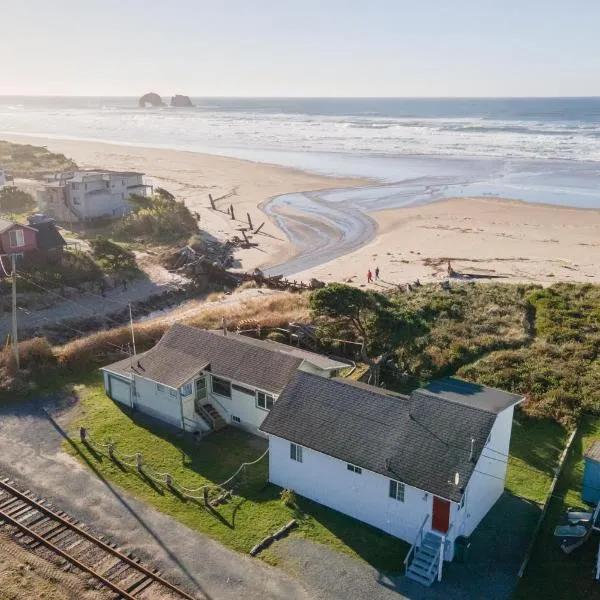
[(441, 514)]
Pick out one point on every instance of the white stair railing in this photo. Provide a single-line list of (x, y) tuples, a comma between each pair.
[(442, 553), (418, 541)]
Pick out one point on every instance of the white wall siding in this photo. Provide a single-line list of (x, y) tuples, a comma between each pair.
[(364, 497), (160, 404), (487, 482), (240, 405)]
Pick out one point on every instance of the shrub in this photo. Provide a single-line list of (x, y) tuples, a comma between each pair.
[(113, 257), (164, 220), (278, 336), (288, 498), (15, 200)]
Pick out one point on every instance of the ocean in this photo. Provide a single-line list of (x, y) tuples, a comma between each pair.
[(417, 150)]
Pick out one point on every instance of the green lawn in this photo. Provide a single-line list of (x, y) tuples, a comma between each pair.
[(551, 573), (535, 448), (252, 515)]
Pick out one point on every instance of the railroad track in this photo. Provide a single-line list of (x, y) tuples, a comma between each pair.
[(48, 531)]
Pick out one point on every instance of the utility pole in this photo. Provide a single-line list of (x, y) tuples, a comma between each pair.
[(15, 340), (132, 332)]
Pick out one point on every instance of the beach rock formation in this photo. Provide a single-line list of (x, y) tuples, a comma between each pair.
[(150, 99), (181, 101)]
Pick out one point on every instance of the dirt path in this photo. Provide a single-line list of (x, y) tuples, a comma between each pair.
[(92, 304)]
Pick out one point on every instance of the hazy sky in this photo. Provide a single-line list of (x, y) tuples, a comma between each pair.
[(300, 47)]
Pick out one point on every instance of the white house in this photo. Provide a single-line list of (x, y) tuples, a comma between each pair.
[(83, 195), (425, 468), (200, 380)]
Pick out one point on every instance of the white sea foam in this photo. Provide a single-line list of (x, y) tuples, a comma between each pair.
[(209, 130)]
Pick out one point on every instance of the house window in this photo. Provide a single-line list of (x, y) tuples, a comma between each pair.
[(160, 387), (242, 389), (16, 238), (264, 400), (235, 419), (397, 490), (296, 452), (173, 392), (354, 469), (221, 387), (187, 389)]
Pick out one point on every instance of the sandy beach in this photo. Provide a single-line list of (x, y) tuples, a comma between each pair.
[(485, 238)]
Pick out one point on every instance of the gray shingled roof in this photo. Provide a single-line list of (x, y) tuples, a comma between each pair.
[(471, 394), (184, 351), (423, 440), (319, 360)]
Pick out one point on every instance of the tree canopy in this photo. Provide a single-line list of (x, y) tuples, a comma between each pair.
[(383, 327)]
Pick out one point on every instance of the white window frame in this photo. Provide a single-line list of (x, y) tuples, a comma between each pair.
[(160, 387), (19, 238), (399, 490), (266, 397), (354, 468), (235, 419), (295, 452), (187, 389)]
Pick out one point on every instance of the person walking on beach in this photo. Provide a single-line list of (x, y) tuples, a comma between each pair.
[(376, 272), (369, 276)]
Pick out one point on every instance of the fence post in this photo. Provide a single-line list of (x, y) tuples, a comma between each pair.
[(205, 494), (83, 435), (168, 480), (232, 213), (139, 462), (111, 451)]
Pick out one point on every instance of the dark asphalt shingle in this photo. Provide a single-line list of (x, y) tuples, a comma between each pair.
[(184, 351), (423, 440)]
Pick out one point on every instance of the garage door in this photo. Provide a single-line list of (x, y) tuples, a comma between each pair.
[(119, 390)]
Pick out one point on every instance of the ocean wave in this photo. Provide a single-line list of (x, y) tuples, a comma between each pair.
[(205, 129)]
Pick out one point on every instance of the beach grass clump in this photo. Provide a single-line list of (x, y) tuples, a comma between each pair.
[(560, 369), (14, 200), (160, 219), (32, 162)]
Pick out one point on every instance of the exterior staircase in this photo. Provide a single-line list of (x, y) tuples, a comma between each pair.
[(425, 560), (215, 419)]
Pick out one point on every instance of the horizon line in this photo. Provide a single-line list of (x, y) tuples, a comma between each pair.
[(237, 97)]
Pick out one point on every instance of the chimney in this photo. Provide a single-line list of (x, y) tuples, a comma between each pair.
[(224, 325), (472, 453)]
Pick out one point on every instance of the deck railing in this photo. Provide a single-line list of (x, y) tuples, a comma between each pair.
[(418, 541)]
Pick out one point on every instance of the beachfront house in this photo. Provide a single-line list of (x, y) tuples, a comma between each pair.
[(201, 380), (85, 195), (425, 468)]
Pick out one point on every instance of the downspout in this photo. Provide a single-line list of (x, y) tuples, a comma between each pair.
[(181, 408)]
